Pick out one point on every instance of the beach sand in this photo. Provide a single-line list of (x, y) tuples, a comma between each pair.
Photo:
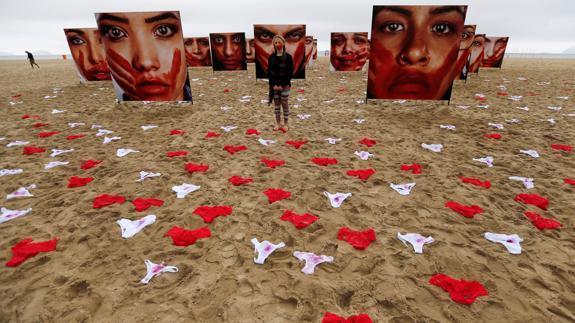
[(94, 275)]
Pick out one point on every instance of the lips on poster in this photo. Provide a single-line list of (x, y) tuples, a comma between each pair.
[(88, 54), (295, 36), (228, 51), (146, 55), (198, 51), (413, 52), (349, 50)]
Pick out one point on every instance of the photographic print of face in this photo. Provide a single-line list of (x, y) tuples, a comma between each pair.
[(198, 51), (349, 51), (308, 48), (467, 38), (146, 55), (88, 53), (414, 51), (228, 51), (494, 51), (295, 46), (476, 55), (314, 55), (250, 51)]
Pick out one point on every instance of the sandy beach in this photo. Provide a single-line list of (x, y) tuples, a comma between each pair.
[(94, 274)]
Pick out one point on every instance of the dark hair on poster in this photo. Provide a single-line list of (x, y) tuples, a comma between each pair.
[(407, 59), (151, 67), (228, 51), (295, 37)]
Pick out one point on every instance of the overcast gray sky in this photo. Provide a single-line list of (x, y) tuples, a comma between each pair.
[(532, 25)]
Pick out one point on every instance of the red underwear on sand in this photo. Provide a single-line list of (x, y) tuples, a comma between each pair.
[(183, 238), (299, 220), (26, 249), (209, 213), (461, 291), (358, 239)]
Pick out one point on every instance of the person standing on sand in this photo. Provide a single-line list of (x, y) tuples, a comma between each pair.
[(280, 71), (31, 59)]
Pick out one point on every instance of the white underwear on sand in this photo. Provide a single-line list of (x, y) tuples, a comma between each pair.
[(184, 189), (21, 192), (103, 132), (447, 126), (266, 142), (154, 270), (311, 260), (496, 125), (531, 152), (363, 155), (148, 127), (228, 128), (486, 160), (433, 147), (403, 189), (144, 175), (527, 182), (4, 172), (121, 152), (337, 198), (415, 239), (511, 242), (131, 228), (54, 164), (17, 143), (7, 215), (264, 249), (333, 141), (108, 140), (56, 152)]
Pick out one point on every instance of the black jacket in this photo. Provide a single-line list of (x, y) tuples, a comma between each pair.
[(280, 71)]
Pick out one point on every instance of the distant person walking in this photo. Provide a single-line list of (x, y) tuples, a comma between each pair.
[(31, 59)]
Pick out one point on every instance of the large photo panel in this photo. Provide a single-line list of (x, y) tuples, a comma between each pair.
[(476, 55), (88, 54), (463, 60), (414, 51), (146, 55), (198, 51), (295, 46), (494, 51), (228, 51), (250, 51), (349, 50)]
